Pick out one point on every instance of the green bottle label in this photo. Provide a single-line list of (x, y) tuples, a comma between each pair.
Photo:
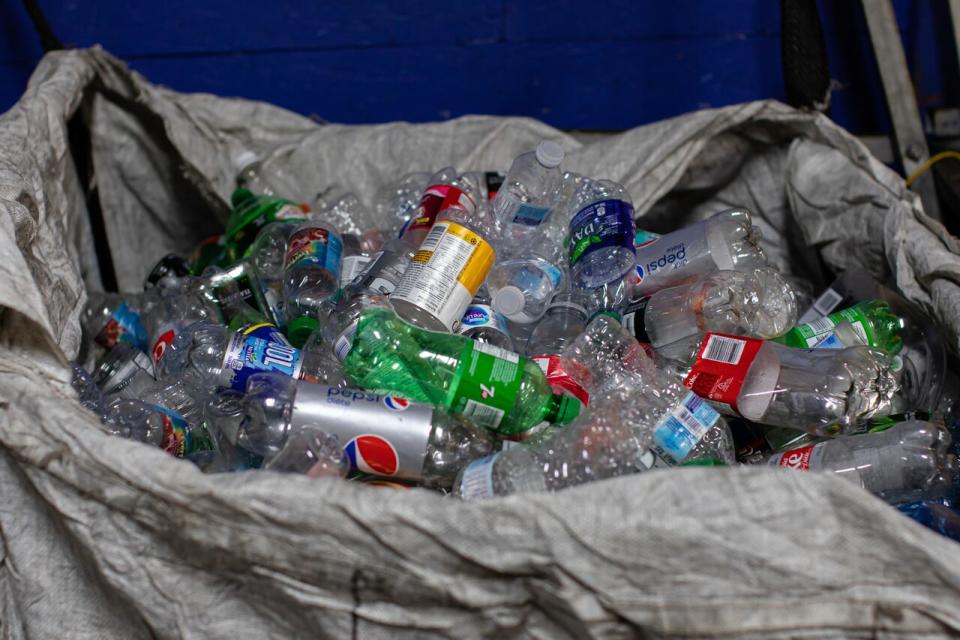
[(486, 383), (813, 333)]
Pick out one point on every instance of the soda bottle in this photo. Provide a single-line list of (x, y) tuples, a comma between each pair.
[(821, 391), (523, 282), (685, 428), (528, 193), (447, 269), (222, 416), (381, 435), (265, 260), (757, 303), (311, 275), (564, 320), (907, 462), (447, 190), (338, 322), (727, 241), (600, 244), (495, 388), (209, 357), (345, 212), (157, 426), (605, 442), (871, 323), (313, 452), (481, 322), (109, 319), (171, 306)]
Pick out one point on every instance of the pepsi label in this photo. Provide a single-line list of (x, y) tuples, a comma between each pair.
[(673, 257), (382, 435)]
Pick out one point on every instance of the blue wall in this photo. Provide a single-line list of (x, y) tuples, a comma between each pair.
[(574, 64)]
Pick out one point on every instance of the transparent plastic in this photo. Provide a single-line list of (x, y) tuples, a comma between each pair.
[(109, 318), (820, 391), (600, 246), (908, 462), (311, 268), (483, 323), (253, 175), (527, 196), (727, 241), (564, 320), (396, 203), (173, 305), (89, 394), (758, 303), (313, 452)]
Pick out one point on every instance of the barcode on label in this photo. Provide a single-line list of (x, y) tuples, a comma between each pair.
[(723, 349), (861, 332), (484, 415), (497, 352), (827, 301), (477, 481), (823, 325), (433, 238)]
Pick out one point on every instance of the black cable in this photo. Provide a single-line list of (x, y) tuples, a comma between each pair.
[(806, 74), (48, 39)]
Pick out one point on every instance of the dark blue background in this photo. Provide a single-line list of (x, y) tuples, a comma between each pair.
[(574, 64)]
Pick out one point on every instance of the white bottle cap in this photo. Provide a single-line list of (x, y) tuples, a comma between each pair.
[(509, 301), (244, 159), (549, 154)]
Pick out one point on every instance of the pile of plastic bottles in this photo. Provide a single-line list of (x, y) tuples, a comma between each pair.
[(485, 335)]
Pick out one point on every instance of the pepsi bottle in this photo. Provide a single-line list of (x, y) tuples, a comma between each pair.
[(382, 435)]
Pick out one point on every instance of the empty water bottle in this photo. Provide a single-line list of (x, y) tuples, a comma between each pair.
[(727, 241), (528, 193), (89, 394), (251, 174), (907, 462), (381, 435), (483, 323)]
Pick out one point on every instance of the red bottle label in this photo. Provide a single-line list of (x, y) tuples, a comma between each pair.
[(435, 199), (559, 379), (721, 366)]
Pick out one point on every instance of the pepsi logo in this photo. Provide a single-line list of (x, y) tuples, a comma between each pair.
[(160, 346), (639, 274), (395, 403), (372, 454)]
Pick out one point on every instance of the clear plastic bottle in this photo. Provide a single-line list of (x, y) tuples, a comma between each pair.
[(527, 196), (821, 391), (110, 318), (447, 190), (600, 246), (266, 257), (222, 416), (381, 435), (447, 270), (685, 428), (211, 357), (524, 282), (483, 323), (252, 175), (564, 320), (171, 306), (169, 265), (727, 241), (397, 203), (757, 303), (90, 395), (907, 462), (157, 426), (313, 452), (311, 275)]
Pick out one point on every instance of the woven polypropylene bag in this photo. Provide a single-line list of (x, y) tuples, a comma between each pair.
[(103, 537)]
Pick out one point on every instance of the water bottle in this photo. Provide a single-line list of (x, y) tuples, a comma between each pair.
[(727, 241), (564, 320), (222, 416), (524, 282), (210, 357), (311, 275), (89, 394), (355, 259), (685, 428), (396, 203), (313, 452), (821, 391), (159, 427), (483, 323), (907, 462), (527, 195), (757, 303), (447, 269), (381, 435), (600, 245), (495, 388), (170, 307)]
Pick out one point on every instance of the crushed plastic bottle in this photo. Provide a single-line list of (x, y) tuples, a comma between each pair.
[(564, 320), (910, 461), (89, 394), (381, 435), (109, 319), (726, 241), (758, 303), (160, 427), (313, 452)]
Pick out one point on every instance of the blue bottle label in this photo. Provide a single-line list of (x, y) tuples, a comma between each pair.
[(255, 350), (608, 223), (123, 326), (680, 431), (317, 247), (483, 315)]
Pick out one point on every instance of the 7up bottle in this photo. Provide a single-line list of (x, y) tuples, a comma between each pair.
[(870, 323)]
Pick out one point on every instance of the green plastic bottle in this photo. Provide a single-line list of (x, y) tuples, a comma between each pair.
[(495, 388), (871, 323), (250, 214)]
